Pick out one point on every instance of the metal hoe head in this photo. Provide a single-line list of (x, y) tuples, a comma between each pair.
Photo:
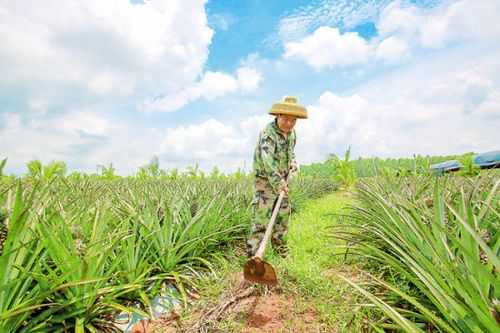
[(259, 271)]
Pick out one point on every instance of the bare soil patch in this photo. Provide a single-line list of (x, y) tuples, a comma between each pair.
[(246, 308)]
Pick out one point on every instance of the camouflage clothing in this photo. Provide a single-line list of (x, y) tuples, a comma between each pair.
[(274, 157)]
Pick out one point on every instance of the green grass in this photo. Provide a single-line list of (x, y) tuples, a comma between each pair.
[(315, 257), (307, 280)]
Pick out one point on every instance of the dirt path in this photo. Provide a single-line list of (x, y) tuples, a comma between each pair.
[(309, 298), (248, 308)]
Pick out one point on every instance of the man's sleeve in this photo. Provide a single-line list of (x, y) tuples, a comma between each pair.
[(270, 162)]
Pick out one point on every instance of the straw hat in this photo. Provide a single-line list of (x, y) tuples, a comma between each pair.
[(289, 106)]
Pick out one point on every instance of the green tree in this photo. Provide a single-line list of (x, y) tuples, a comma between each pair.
[(109, 172), (194, 172), (174, 174), (53, 169), (151, 170), (215, 174), (343, 170)]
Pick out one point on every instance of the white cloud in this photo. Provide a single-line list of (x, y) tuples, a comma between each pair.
[(441, 106), (327, 47), (489, 108), (212, 85), (403, 21), (391, 48), (213, 143), (402, 28), (208, 140), (345, 13), (460, 20), (248, 79), (80, 138), (106, 48), (77, 122), (395, 128)]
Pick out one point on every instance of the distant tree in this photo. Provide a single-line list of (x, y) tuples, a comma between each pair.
[(215, 174), (154, 167), (151, 170), (343, 170), (108, 172), (192, 172), (174, 174), (239, 174), (77, 175), (53, 169)]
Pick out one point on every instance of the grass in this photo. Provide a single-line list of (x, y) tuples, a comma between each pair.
[(308, 285), (315, 257)]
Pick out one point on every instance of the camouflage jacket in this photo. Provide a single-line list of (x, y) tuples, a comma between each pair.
[(274, 155)]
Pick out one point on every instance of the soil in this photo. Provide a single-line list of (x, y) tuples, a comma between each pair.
[(250, 308)]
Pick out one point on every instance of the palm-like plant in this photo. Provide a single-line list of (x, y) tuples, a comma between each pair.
[(343, 170), (109, 172), (53, 169), (468, 166)]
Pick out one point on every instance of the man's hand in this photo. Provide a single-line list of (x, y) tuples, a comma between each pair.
[(286, 192)]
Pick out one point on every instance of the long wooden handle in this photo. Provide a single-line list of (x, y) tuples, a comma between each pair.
[(262, 246)]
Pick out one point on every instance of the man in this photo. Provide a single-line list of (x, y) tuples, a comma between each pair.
[(274, 158)]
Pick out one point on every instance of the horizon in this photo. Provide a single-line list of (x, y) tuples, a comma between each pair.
[(242, 169)]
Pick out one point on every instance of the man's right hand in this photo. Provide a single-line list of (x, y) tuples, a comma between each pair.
[(286, 192)]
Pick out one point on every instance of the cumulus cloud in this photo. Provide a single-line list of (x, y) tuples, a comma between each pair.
[(81, 138), (213, 143), (422, 110), (79, 121), (103, 49), (212, 85), (345, 13), (391, 48), (401, 27), (465, 19), (327, 47), (201, 141)]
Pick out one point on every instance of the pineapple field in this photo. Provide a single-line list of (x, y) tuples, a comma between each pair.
[(412, 253)]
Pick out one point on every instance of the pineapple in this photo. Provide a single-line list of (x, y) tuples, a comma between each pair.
[(3, 228)]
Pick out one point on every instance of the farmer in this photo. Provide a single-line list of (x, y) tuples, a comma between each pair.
[(274, 158)]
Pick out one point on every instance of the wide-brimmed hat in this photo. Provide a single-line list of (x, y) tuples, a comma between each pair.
[(289, 106)]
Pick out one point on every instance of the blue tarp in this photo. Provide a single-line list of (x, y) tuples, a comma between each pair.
[(451, 165), (490, 159)]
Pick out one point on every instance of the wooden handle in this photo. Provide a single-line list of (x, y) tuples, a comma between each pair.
[(269, 228)]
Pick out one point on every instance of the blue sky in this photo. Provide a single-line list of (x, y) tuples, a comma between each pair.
[(191, 81)]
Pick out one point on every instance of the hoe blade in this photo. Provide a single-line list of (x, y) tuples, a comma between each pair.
[(259, 271)]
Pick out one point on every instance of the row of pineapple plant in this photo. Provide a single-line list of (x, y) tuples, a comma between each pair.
[(433, 246), (78, 252)]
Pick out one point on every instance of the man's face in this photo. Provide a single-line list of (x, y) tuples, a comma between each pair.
[(286, 122)]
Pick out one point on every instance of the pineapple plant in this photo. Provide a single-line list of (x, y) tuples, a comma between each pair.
[(3, 228)]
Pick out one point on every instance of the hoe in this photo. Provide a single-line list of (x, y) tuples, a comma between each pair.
[(256, 269)]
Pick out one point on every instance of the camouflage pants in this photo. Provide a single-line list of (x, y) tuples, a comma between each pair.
[(262, 209)]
